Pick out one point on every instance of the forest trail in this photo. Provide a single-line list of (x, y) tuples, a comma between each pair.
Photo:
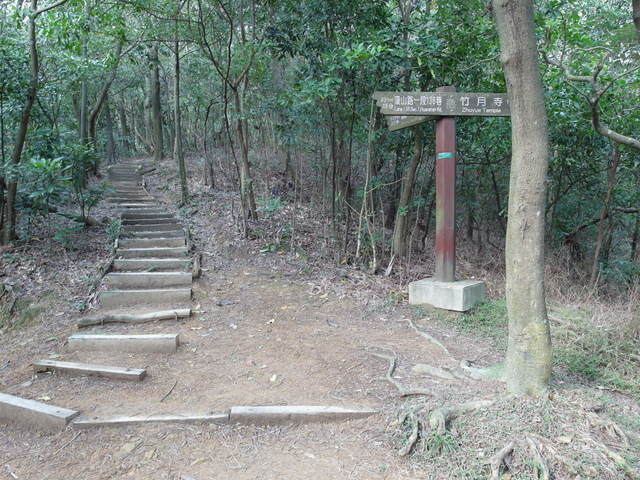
[(265, 329)]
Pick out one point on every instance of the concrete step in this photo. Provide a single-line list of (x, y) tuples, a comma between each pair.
[(130, 201), (160, 264), (124, 167), (125, 174), (125, 183), (122, 298), (148, 253), (36, 414), (126, 205), (140, 280), (127, 215), (129, 188), (151, 221), (150, 242), (151, 227), (89, 370), (125, 179), (146, 234), (130, 195), (146, 210), (158, 343)]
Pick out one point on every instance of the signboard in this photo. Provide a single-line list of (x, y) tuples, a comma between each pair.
[(397, 122), (449, 104)]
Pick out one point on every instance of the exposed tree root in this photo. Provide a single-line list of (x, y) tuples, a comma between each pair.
[(196, 270), (498, 459), (440, 417), (389, 376), (438, 421), (412, 414), (428, 337), (632, 437), (544, 473), (495, 372), (426, 369)]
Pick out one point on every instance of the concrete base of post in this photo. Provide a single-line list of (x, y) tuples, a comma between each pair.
[(459, 296)]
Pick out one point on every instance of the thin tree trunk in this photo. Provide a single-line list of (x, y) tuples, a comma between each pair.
[(111, 144), (603, 215), (246, 182), (402, 213), (125, 141), (635, 237), (284, 151), (636, 16), (527, 367), (92, 117)]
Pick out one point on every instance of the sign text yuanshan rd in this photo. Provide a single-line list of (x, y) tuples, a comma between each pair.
[(405, 109), (448, 104)]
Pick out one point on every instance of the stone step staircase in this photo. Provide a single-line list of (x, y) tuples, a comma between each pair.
[(151, 270)]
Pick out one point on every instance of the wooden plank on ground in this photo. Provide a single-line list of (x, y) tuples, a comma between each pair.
[(155, 343), (191, 418), (89, 370), (135, 318), (36, 414), (283, 414)]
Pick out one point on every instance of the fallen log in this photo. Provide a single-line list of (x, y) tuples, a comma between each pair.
[(134, 318)]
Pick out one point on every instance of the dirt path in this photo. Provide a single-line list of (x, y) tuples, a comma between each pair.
[(267, 330)]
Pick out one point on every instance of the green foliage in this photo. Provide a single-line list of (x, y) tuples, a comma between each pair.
[(270, 206), (436, 445), (488, 318), (113, 228), (18, 311), (604, 356)]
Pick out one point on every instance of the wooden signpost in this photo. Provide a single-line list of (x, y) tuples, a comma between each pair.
[(405, 109)]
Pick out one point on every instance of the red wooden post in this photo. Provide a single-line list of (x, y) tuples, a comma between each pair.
[(446, 196)]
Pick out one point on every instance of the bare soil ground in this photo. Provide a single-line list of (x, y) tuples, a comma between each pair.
[(279, 329)]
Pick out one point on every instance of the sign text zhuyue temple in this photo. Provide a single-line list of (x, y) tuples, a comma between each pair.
[(450, 104)]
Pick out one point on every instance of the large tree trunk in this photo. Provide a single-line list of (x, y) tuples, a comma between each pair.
[(527, 366), (156, 111), (178, 152)]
